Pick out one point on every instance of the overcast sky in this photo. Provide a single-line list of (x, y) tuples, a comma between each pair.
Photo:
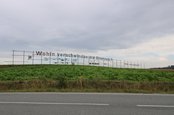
[(141, 30)]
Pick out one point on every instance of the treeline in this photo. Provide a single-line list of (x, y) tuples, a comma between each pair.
[(168, 67)]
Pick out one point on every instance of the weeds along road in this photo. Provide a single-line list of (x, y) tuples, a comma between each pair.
[(86, 104)]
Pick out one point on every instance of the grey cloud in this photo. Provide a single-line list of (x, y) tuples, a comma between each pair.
[(87, 24), (10, 44)]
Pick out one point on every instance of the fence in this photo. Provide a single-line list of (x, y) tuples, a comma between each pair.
[(40, 57)]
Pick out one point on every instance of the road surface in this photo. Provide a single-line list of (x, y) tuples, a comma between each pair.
[(86, 104)]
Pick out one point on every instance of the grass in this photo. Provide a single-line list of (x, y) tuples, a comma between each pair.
[(84, 78), (73, 72), (87, 86)]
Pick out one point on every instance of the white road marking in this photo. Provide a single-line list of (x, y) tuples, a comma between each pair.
[(157, 106), (50, 103)]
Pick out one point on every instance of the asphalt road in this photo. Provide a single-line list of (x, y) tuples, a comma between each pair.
[(85, 104)]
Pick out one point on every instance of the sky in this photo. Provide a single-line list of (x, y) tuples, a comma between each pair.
[(133, 30)]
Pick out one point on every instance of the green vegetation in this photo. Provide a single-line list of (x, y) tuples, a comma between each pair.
[(73, 72), (84, 78)]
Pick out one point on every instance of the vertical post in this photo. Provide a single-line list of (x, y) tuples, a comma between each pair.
[(33, 58), (23, 57), (94, 61), (41, 59), (50, 58), (123, 64), (78, 59), (130, 64), (112, 63), (71, 59), (57, 59), (83, 60), (98, 61), (108, 62), (64, 59), (78, 56), (116, 63), (13, 57), (120, 64)]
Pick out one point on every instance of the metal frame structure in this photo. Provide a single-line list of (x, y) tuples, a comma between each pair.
[(39, 57)]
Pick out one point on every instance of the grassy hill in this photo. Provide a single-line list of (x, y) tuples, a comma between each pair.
[(72, 72), (83, 77)]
